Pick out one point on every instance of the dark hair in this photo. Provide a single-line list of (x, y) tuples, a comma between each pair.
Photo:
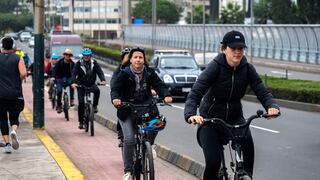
[(7, 43), (139, 49)]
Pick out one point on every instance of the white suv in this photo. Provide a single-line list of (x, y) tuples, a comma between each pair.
[(24, 36)]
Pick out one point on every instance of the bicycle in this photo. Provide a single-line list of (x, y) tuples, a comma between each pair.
[(88, 108), (66, 105), (54, 96), (235, 134), (143, 157)]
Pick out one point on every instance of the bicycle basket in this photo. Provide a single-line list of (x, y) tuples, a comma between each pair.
[(156, 124)]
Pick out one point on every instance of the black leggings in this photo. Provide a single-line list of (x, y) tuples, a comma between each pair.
[(81, 96), (11, 108), (210, 138)]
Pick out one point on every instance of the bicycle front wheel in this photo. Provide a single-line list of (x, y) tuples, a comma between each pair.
[(53, 100), (86, 117), (245, 177), (147, 162), (91, 120), (66, 106)]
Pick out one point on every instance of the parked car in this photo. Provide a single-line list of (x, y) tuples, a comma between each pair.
[(12, 34), (31, 42), (25, 36), (177, 68)]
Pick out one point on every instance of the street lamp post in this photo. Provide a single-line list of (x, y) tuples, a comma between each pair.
[(251, 30), (154, 21), (191, 28), (204, 31)]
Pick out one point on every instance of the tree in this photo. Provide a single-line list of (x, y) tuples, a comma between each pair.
[(309, 11), (262, 11), (167, 12), (197, 15), (232, 14), (282, 12), (7, 6)]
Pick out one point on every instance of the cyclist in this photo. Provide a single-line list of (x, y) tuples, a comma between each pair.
[(20, 52), (124, 61), (133, 83), (26, 59), (219, 90), (61, 74), (85, 73), (53, 60)]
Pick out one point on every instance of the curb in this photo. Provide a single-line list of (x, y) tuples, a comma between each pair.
[(67, 167), (184, 162)]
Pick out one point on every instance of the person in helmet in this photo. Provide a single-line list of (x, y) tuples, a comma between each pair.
[(133, 83), (85, 73), (12, 72), (61, 74)]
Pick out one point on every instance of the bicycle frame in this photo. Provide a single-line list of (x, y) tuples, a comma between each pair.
[(235, 134), (66, 105), (143, 159), (88, 109)]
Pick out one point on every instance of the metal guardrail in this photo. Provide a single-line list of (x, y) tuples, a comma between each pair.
[(296, 43)]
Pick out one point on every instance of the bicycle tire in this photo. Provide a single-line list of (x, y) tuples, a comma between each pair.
[(245, 177), (53, 100), (86, 116), (147, 162), (136, 174), (66, 106), (91, 120)]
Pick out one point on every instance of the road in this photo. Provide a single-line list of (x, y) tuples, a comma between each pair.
[(286, 148)]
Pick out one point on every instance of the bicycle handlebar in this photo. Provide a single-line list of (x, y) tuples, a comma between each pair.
[(155, 101), (248, 121)]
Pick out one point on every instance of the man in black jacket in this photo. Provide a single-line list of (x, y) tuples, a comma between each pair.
[(219, 90), (61, 74), (85, 73)]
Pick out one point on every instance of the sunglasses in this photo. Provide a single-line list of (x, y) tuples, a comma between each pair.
[(68, 54)]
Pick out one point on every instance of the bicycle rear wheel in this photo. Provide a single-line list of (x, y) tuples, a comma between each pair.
[(86, 117), (147, 162), (91, 120), (53, 100), (245, 177), (66, 106)]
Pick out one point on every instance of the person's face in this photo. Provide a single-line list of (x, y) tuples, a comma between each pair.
[(67, 56), (86, 58), (234, 55), (137, 60)]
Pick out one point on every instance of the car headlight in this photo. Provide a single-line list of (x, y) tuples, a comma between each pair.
[(167, 78)]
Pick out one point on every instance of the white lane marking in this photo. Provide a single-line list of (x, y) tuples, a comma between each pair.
[(265, 129), (107, 75), (177, 106), (279, 72)]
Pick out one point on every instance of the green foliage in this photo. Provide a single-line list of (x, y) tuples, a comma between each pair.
[(20, 21), (309, 11), (232, 14), (197, 15), (282, 12), (167, 12), (295, 90), (262, 11), (7, 6)]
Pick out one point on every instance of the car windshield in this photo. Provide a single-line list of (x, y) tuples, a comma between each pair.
[(178, 63)]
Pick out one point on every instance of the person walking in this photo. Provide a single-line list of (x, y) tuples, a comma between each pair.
[(219, 90), (12, 72)]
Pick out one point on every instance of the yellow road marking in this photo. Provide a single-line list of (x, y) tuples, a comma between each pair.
[(70, 171)]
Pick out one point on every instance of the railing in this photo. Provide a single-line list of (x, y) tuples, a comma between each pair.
[(297, 43)]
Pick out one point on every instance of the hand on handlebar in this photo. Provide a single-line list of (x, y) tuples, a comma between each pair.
[(273, 113), (168, 100), (103, 83), (196, 120), (74, 85)]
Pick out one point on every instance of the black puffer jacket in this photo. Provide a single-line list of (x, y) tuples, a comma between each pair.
[(123, 86), (222, 88), (87, 76)]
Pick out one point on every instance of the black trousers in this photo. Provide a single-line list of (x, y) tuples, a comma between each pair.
[(11, 108), (81, 94), (212, 139)]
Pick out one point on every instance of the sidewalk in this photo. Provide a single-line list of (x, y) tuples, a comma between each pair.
[(67, 152)]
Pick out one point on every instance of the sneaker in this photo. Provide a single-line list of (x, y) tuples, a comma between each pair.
[(71, 102), (2, 144), (81, 125), (154, 152), (14, 140), (127, 176), (59, 109), (8, 148), (95, 109)]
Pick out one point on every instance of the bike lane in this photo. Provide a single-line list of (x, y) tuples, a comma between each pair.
[(98, 157)]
